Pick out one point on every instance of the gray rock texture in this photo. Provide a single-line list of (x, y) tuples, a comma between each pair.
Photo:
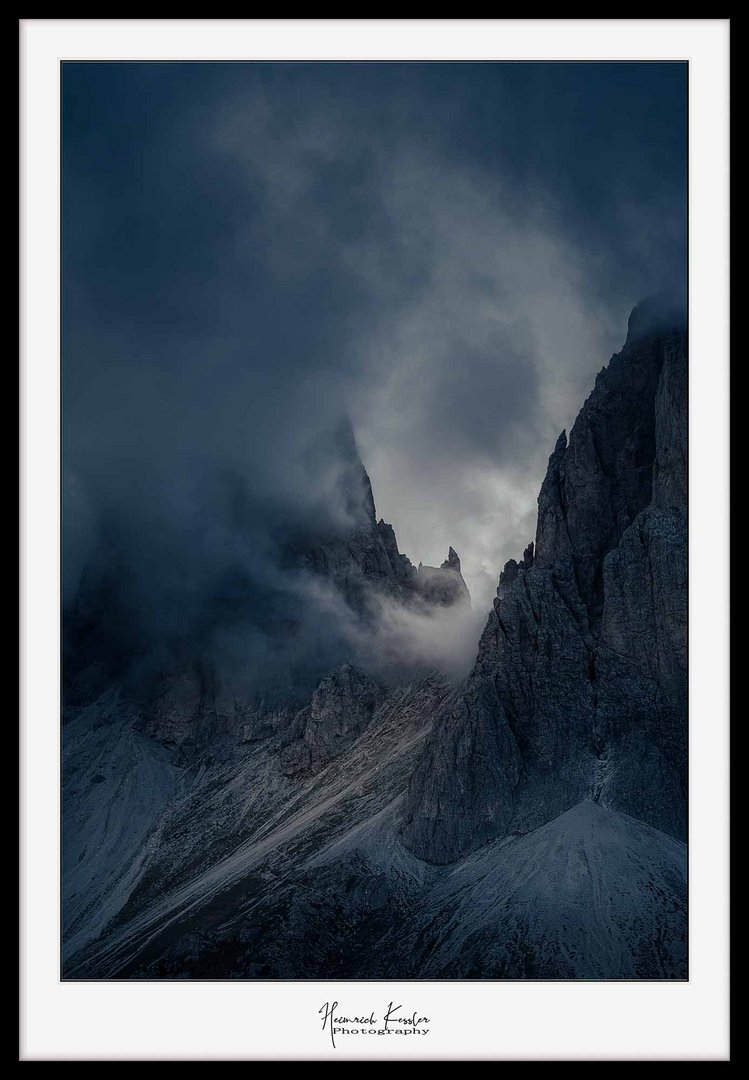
[(175, 709), (580, 687), (340, 710), (577, 898), (443, 585)]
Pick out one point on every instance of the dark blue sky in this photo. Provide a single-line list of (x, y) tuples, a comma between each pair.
[(446, 252)]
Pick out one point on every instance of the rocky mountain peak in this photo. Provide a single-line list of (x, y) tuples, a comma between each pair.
[(579, 687), (662, 312), (452, 562), (443, 585), (365, 563), (354, 485)]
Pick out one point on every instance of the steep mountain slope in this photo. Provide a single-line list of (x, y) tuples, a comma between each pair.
[(117, 786), (239, 827), (146, 755), (579, 688), (252, 874), (593, 894)]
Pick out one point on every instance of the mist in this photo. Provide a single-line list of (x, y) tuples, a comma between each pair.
[(446, 254)]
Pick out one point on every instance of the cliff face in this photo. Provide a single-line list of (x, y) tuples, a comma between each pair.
[(580, 687), (340, 710)]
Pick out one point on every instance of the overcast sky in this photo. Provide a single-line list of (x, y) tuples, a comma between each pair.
[(448, 253)]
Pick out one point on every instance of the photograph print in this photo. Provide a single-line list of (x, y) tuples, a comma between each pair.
[(375, 531)]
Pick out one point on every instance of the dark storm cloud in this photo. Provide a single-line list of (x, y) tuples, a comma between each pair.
[(447, 253)]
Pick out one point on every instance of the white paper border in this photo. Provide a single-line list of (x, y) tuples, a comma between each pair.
[(275, 1021)]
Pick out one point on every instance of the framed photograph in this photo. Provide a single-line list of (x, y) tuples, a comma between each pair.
[(374, 451)]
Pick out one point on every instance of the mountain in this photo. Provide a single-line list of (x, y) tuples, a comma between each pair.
[(280, 606), (525, 823), (363, 562), (580, 685), (256, 874)]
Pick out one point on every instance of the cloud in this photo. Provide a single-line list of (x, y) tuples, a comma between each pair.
[(446, 253)]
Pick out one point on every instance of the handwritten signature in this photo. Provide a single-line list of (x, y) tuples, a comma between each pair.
[(393, 1022)]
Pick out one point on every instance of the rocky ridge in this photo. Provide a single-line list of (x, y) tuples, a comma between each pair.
[(579, 688), (364, 563), (183, 704)]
